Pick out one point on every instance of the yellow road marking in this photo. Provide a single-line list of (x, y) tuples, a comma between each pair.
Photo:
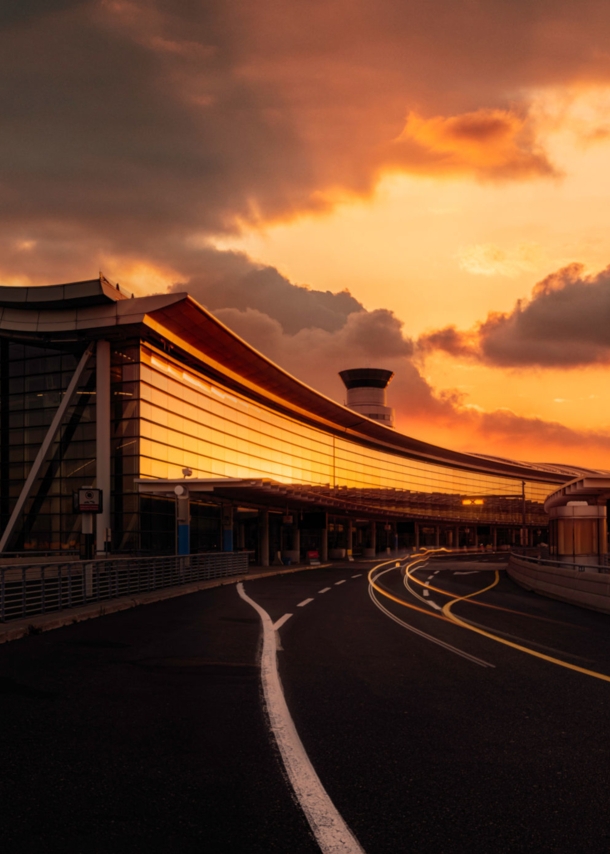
[(448, 615)]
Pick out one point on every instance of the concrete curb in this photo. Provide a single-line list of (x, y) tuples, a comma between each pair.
[(39, 623)]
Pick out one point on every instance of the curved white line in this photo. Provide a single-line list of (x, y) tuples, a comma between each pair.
[(331, 832)]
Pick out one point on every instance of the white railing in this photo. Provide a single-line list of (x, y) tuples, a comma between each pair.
[(537, 560)]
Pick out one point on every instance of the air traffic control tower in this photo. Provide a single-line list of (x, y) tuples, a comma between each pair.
[(366, 393)]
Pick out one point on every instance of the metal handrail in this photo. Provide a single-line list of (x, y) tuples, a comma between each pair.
[(40, 588), (560, 564)]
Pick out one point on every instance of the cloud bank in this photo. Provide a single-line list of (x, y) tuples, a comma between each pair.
[(135, 130), (140, 131), (563, 325)]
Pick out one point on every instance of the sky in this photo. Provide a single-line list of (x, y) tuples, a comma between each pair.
[(420, 186)]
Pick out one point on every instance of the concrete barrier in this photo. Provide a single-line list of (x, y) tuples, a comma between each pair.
[(579, 586)]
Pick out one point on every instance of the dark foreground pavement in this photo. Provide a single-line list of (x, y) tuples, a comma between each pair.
[(144, 730)]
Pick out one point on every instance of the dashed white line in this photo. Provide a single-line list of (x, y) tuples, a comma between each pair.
[(357, 576), (304, 602), (325, 590), (426, 592), (331, 832), (470, 572), (279, 623), (340, 582)]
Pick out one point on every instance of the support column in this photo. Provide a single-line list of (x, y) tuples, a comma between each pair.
[(183, 521), (456, 536), (241, 536), (324, 548), (437, 536), (263, 537), (494, 533), (371, 550), (102, 443), (296, 541), (350, 538), (227, 528), (416, 535)]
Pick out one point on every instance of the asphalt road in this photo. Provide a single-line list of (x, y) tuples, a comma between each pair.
[(144, 730)]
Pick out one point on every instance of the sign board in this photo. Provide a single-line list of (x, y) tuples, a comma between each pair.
[(313, 554), (89, 500)]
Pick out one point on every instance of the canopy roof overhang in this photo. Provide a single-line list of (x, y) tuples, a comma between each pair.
[(374, 504), (594, 489)]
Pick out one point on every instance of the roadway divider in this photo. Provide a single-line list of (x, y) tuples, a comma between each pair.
[(587, 586)]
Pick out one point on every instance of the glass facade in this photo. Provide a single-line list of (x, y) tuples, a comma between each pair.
[(167, 416), (34, 380), (189, 421)]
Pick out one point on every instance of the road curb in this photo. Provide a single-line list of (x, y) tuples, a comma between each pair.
[(39, 623)]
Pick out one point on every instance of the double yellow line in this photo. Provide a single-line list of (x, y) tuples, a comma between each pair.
[(449, 616)]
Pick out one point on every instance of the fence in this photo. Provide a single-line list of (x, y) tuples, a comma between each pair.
[(538, 560), (29, 589)]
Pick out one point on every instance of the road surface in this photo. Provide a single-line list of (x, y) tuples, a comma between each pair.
[(145, 730)]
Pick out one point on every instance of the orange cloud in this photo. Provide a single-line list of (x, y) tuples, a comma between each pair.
[(488, 142)]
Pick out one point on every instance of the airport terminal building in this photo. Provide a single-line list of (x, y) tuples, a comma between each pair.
[(200, 443)]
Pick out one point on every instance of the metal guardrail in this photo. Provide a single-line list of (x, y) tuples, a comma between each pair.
[(30, 589), (560, 564)]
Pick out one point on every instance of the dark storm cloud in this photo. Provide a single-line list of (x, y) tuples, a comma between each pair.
[(565, 324), (315, 355), (130, 128), (233, 281)]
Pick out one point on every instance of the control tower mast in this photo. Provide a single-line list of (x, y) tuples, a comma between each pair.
[(366, 393)]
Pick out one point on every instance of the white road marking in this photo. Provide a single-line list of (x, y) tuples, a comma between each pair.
[(357, 576), (279, 623), (325, 590), (470, 572), (425, 635), (426, 592), (340, 582), (331, 832), (304, 602)]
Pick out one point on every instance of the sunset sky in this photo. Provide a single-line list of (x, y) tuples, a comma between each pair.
[(444, 162)]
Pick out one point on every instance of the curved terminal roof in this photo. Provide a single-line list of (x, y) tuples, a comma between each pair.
[(81, 311)]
